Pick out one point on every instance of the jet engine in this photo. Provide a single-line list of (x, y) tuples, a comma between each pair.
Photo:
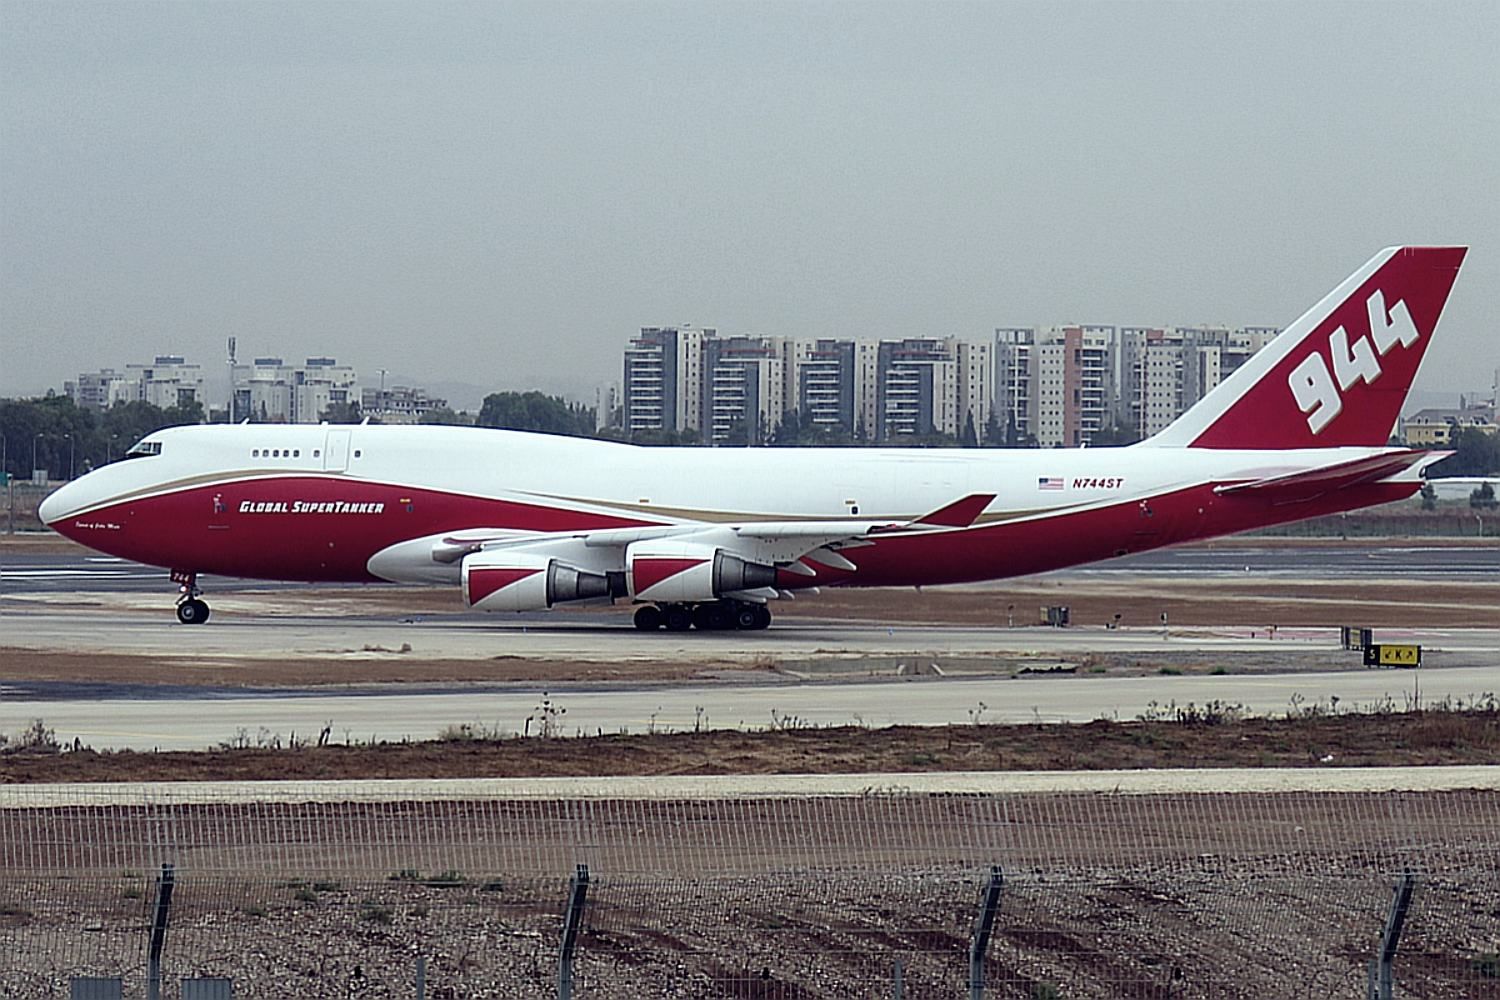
[(668, 571), (524, 581)]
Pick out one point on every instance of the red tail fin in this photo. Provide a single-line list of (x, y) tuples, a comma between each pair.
[(1339, 375)]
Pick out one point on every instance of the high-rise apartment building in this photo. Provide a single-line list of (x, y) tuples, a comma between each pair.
[(827, 384), (916, 388), (1055, 387), (663, 382), (1074, 385), (976, 386), (743, 389), (1014, 398)]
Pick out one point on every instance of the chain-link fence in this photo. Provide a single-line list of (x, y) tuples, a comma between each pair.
[(874, 895)]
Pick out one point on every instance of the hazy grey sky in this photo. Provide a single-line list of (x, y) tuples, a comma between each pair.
[(502, 193)]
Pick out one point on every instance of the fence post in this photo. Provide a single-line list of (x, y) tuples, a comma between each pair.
[(983, 924), (578, 890), (1382, 970), (421, 977), (164, 884), (898, 982)]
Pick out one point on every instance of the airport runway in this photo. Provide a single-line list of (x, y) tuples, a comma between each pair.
[(343, 638), (334, 630)]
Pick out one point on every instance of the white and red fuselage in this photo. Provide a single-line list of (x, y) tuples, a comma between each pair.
[(1298, 431)]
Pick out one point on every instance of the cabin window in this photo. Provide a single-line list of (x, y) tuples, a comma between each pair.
[(255, 453), (296, 452), (357, 453)]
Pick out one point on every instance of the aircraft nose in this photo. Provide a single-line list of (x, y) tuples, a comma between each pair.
[(56, 505)]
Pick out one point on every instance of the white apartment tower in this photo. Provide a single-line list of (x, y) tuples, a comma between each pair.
[(663, 383), (744, 388), (268, 390)]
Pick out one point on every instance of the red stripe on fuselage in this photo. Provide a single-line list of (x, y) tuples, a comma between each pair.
[(254, 527), (1039, 545)]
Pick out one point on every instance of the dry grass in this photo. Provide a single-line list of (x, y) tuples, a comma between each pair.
[(1207, 740)]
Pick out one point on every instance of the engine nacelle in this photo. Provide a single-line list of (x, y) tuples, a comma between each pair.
[(664, 570), (522, 581)]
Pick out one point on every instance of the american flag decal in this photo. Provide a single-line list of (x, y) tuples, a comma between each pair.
[(1049, 483)]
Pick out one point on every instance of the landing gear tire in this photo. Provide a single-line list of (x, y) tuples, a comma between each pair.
[(762, 617), (678, 617), (192, 612), (648, 618), (713, 616)]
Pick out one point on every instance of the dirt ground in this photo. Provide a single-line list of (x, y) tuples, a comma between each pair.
[(1199, 737)]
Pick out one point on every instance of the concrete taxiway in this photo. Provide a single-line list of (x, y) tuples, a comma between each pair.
[(702, 788), (187, 721)]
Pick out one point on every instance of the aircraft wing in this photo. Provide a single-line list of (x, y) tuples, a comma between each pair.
[(783, 543)]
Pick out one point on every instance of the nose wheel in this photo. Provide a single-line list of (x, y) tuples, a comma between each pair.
[(191, 608)]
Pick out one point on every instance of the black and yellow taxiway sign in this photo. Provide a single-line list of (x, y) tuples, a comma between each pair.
[(1389, 654)]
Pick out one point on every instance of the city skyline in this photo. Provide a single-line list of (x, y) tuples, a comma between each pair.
[(479, 190)]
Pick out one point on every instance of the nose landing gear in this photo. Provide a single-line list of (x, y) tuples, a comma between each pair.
[(190, 609)]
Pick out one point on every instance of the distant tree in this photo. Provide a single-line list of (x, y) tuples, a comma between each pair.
[(799, 430), (183, 414), (1483, 498), (1475, 453), (994, 433), (969, 438), (341, 413), (67, 438), (1121, 432), (446, 416), (534, 411), (1008, 437), (664, 438), (738, 435), (932, 439)]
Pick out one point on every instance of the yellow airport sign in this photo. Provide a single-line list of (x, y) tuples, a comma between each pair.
[(1389, 654)]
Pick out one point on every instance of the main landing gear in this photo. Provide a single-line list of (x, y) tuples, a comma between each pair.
[(707, 616), (190, 609)]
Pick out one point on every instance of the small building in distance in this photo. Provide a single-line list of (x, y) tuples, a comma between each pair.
[(268, 390), (1437, 427), (168, 381), (399, 404)]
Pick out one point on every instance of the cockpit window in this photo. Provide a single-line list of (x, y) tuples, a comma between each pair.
[(141, 449)]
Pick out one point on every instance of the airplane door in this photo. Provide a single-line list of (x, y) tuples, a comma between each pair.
[(336, 451)]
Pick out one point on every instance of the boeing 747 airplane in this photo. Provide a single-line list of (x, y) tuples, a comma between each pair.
[(707, 537)]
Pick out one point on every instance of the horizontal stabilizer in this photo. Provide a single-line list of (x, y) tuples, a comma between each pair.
[(1299, 485)]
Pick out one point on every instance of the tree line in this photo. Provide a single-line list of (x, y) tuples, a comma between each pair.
[(55, 435)]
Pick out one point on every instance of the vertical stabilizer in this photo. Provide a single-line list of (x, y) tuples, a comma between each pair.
[(1340, 374)]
